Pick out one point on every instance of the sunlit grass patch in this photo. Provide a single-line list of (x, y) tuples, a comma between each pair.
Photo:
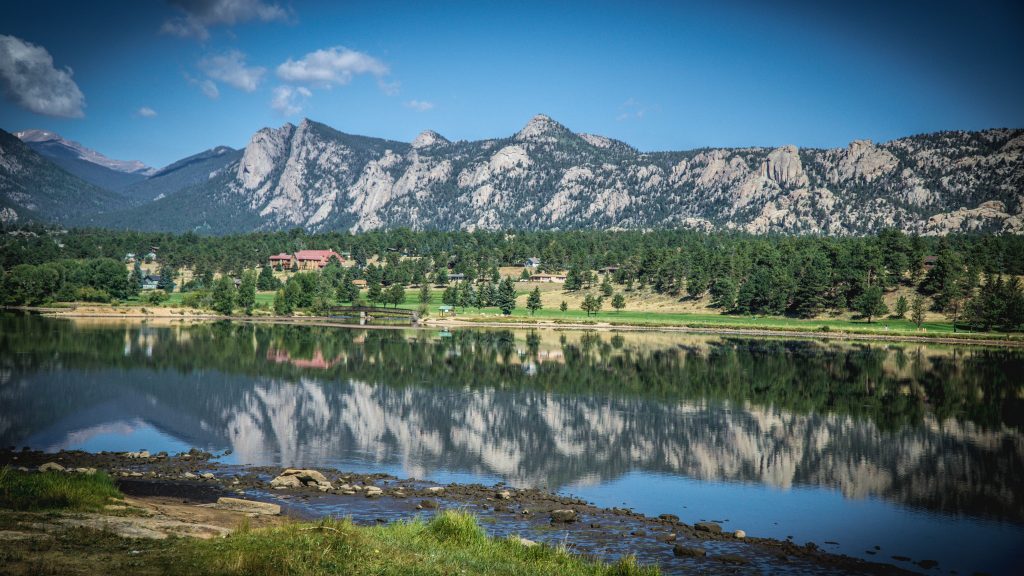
[(55, 490), (451, 543)]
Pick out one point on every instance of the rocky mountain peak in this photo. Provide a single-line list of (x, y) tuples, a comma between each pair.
[(541, 128), (429, 138)]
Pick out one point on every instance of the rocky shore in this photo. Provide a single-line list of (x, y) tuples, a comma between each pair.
[(535, 516)]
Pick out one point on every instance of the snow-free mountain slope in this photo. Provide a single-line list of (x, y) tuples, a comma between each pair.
[(86, 163)]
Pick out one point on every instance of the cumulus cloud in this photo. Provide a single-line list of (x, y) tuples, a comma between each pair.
[(199, 15), (419, 105), (289, 100), (325, 68), (146, 112), (230, 68), (206, 86), (30, 80)]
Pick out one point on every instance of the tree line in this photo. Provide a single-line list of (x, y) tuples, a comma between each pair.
[(973, 279)]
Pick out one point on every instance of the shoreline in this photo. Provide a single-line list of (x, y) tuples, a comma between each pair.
[(667, 541), (429, 323)]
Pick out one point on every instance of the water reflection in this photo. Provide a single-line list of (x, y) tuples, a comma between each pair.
[(935, 428)]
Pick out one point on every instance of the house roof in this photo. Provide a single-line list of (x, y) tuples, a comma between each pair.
[(281, 256), (316, 255)]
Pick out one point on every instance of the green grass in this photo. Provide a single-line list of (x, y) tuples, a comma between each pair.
[(55, 490), (451, 543)]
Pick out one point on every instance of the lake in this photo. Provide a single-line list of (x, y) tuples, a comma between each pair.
[(917, 449)]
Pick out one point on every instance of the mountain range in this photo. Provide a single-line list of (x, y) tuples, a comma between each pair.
[(543, 177)]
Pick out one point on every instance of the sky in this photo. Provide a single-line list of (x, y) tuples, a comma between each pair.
[(157, 80)]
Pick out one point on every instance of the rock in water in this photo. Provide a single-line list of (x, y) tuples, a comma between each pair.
[(708, 527), (563, 516), (297, 478), (740, 534)]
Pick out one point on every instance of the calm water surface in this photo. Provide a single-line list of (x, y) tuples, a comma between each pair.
[(916, 449)]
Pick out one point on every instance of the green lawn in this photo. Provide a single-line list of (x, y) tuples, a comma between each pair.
[(883, 325)]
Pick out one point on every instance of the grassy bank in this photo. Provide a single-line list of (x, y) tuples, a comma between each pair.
[(24, 491), (450, 543)]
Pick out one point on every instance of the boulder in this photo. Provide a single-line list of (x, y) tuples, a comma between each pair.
[(563, 516), (688, 551), (306, 475), (51, 466), (207, 476), (248, 506), (190, 476), (286, 482), (435, 489), (503, 495), (428, 504), (708, 527), (669, 517), (740, 534), (372, 491)]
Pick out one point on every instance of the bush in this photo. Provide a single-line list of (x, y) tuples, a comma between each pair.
[(90, 294), (154, 297), (197, 299)]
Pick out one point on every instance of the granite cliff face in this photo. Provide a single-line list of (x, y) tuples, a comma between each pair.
[(547, 177)]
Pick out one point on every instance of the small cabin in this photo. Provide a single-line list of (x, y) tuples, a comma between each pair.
[(150, 282), (531, 263), (544, 277)]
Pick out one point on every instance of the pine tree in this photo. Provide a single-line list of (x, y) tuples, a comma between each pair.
[(902, 306), (564, 306), (533, 302), (425, 293), (619, 302), (506, 299)]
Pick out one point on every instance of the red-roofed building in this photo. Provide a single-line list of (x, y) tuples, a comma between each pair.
[(281, 260), (315, 259)]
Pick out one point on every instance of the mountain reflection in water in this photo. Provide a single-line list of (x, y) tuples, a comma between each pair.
[(936, 428)]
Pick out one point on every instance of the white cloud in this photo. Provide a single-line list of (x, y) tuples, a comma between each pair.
[(208, 87), (289, 100), (419, 105), (199, 15), (146, 112), (337, 65), (230, 68), (30, 80)]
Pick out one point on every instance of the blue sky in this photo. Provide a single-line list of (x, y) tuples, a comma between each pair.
[(157, 81)]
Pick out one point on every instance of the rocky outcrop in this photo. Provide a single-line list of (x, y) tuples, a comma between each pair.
[(547, 177)]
